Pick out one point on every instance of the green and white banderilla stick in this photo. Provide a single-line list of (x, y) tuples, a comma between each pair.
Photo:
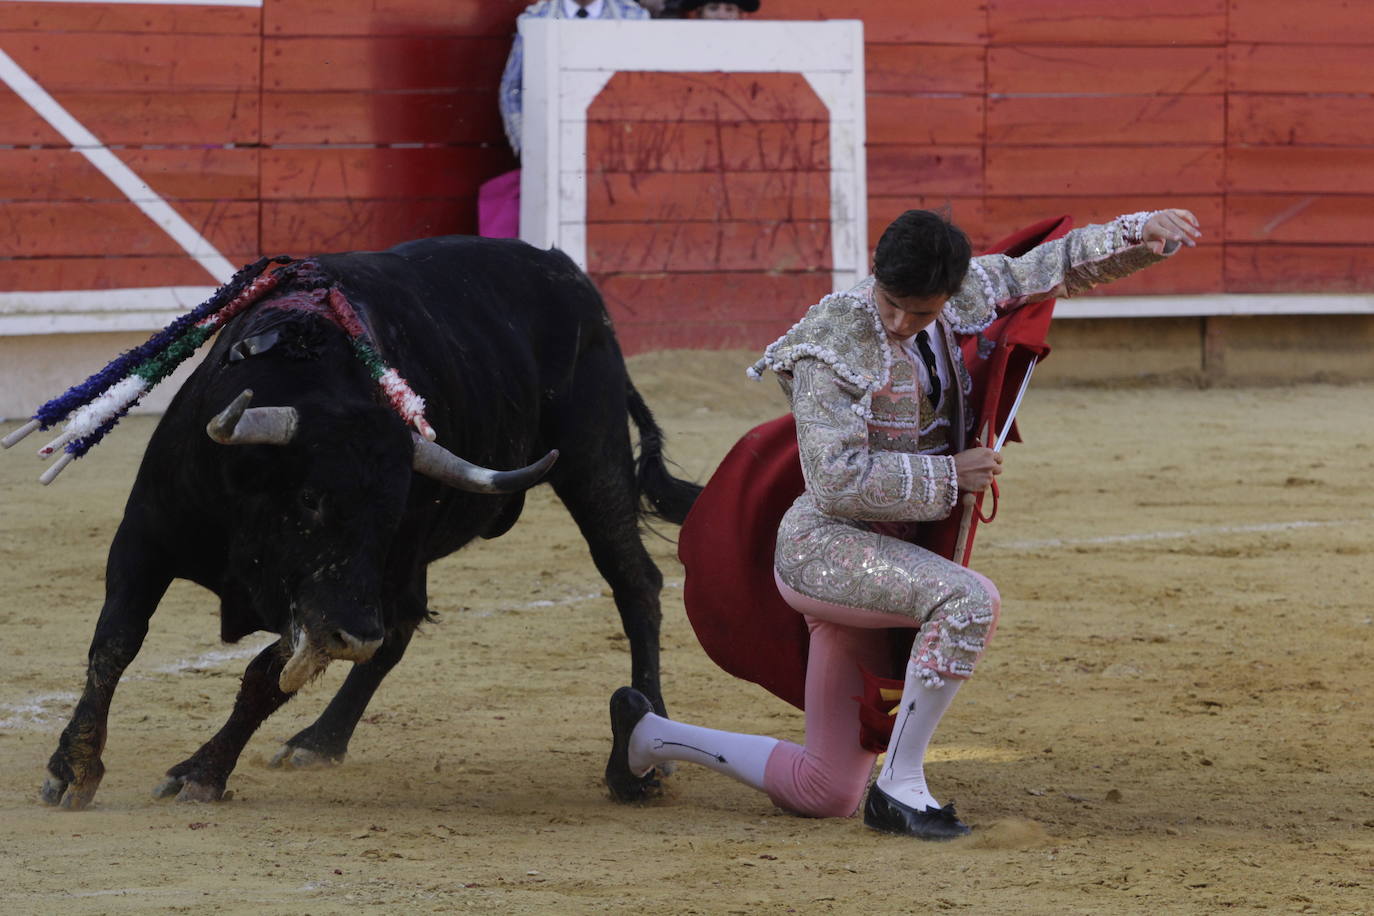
[(970, 500)]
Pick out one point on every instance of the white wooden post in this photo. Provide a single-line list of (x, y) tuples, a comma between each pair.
[(568, 63)]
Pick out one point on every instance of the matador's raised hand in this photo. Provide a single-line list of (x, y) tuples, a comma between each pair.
[(1167, 229)]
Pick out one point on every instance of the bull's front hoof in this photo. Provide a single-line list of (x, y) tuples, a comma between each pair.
[(68, 795), (188, 790), (628, 706), (53, 789), (302, 758)]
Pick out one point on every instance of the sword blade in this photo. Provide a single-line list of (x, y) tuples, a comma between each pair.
[(1015, 405)]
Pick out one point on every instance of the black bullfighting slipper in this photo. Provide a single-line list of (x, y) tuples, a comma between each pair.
[(884, 813), (628, 706)]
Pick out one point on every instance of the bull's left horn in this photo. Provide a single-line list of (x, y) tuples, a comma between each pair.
[(238, 424), (439, 463)]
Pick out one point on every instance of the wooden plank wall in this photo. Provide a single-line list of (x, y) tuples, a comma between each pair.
[(379, 119), (708, 205), (173, 91), (1256, 114), (334, 124), (306, 125)]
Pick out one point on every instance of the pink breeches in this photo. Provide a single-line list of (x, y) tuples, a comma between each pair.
[(827, 777)]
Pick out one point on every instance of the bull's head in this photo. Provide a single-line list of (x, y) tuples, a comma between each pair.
[(336, 522)]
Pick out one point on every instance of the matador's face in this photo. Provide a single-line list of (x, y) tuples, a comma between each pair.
[(903, 316)]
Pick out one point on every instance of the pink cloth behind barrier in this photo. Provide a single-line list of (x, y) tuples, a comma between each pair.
[(498, 207)]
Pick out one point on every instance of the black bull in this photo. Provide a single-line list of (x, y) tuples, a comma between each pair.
[(324, 535)]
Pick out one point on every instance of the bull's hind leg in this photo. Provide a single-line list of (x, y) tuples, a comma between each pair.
[(601, 498), (133, 588), (326, 740), (203, 776)]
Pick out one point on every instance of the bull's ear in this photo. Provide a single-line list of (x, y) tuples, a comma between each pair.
[(238, 424), (442, 465)]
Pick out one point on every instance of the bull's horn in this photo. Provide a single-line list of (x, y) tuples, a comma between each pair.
[(238, 424), (439, 463)]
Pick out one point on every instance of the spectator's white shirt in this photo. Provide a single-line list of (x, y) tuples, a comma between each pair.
[(593, 9)]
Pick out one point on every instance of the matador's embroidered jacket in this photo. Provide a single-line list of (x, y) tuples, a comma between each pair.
[(872, 447)]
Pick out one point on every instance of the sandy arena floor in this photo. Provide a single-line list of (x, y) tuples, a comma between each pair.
[(1170, 720)]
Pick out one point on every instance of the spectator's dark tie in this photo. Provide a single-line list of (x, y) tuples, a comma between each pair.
[(932, 367), (581, 12)]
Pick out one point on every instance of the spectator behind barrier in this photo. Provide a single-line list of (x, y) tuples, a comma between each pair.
[(498, 199), (711, 9)]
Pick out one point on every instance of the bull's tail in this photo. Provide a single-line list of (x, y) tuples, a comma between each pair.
[(669, 497)]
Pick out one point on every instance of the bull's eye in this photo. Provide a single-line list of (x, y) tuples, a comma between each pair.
[(310, 501)]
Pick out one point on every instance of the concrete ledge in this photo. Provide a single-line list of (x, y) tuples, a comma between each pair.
[(1216, 304), (1210, 350), (97, 310), (35, 368)]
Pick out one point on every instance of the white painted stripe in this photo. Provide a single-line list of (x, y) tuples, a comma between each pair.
[(216, 657), (1173, 535), (95, 311), (1219, 304), (85, 323), (694, 46), (129, 299), (41, 709), (120, 175), (255, 3), (36, 711)]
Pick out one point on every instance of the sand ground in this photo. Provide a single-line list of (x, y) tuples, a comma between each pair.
[(1174, 717)]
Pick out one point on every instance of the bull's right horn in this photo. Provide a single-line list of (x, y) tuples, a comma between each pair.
[(439, 463), (238, 424)]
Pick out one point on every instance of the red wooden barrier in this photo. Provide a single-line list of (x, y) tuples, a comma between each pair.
[(708, 198), (910, 68), (118, 17), (93, 270), (895, 21), (935, 120), (489, 18), (1106, 22), (1145, 120), (1300, 120), (1309, 22), (334, 124), (1298, 268), (1281, 169), (1298, 68), (1091, 71)]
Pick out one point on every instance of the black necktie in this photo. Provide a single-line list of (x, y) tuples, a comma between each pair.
[(581, 12), (932, 367)]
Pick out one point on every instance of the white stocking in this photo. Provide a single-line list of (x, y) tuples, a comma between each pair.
[(903, 775), (743, 757)]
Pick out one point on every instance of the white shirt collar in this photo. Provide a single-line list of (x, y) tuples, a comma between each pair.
[(937, 347), (594, 9)]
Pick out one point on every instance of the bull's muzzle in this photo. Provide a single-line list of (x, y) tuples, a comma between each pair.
[(344, 645), (311, 656)]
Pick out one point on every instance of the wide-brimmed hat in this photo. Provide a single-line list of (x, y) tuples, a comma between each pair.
[(686, 6)]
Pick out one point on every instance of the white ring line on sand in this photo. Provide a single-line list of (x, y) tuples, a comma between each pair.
[(214, 658), (31, 712), (1172, 535)]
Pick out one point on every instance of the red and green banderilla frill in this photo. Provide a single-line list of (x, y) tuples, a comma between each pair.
[(93, 407)]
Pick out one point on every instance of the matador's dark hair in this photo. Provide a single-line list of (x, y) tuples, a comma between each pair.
[(922, 254)]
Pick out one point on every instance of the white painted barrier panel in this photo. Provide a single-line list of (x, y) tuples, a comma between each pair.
[(563, 77)]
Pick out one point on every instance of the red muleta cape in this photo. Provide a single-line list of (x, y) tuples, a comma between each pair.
[(727, 542)]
